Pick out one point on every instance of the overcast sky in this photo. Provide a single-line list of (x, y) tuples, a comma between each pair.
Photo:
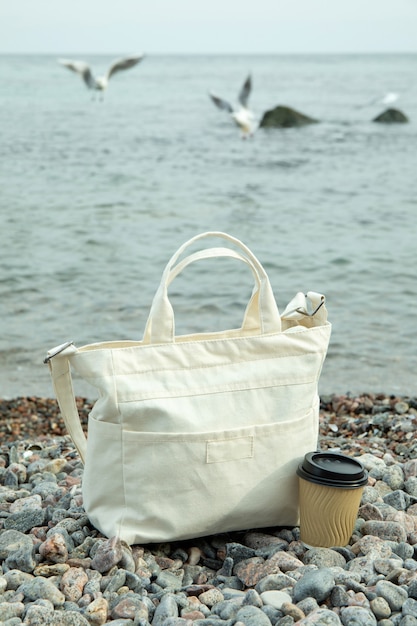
[(212, 26)]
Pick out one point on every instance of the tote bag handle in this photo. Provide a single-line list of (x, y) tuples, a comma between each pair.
[(261, 313)]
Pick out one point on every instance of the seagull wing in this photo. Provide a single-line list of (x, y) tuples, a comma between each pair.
[(123, 64), (220, 103), (81, 68), (245, 92)]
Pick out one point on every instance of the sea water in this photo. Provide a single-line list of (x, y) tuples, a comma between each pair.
[(98, 192)]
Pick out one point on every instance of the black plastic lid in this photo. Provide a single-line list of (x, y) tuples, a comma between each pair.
[(333, 470)]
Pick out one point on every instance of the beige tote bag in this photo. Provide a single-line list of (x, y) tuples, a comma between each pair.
[(198, 434)]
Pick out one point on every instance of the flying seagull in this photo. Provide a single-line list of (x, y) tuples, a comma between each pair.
[(242, 116), (100, 83), (389, 98)]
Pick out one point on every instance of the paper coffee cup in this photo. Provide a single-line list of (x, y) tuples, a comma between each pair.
[(330, 490)]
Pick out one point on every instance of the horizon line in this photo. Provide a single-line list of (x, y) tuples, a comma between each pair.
[(276, 53)]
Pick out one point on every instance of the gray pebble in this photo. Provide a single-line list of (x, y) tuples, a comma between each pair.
[(391, 531), (25, 520), (339, 596), (408, 620), (15, 578), (316, 584), (252, 616), (409, 607), (274, 581), (238, 552), (394, 595), (410, 486), (12, 540), (398, 499), (324, 557), (308, 605), (165, 609), (169, 580), (22, 559), (322, 617), (357, 615), (11, 609), (42, 588)]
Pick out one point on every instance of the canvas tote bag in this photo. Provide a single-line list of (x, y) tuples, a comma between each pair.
[(202, 433)]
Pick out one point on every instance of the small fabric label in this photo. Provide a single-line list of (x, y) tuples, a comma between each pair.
[(229, 449)]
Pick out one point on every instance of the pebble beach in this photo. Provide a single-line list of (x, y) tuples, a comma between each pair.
[(56, 569)]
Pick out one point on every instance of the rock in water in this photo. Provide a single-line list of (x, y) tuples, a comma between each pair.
[(391, 116), (285, 117)]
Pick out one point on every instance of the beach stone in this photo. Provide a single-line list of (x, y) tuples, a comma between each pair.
[(409, 607), (403, 550), (14, 578), (394, 595), (357, 615), (394, 477), (286, 562), (108, 554), (252, 598), (274, 582), (169, 580), (54, 549), (368, 512), (316, 584), (321, 617), (96, 612), (373, 546), (410, 486), (339, 596), (22, 559), (239, 552), (285, 117), (8, 610), (30, 502), (252, 616), (38, 615), (251, 571), (165, 609), (398, 499), (308, 605), (45, 570), (292, 610), (42, 588), (228, 608), (25, 519), (370, 461), (130, 607), (275, 598), (16, 473), (256, 540), (391, 116), (67, 618), (13, 540), (324, 557), (211, 597), (410, 468), (370, 495), (386, 566), (380, 608), (408, 620), (46, 488), (55, 466), (115, 581), (387, 531), (72, 583)]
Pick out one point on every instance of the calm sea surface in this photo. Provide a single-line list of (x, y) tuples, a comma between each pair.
[(96, 195)]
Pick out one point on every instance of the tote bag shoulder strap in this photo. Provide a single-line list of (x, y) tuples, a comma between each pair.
[(59, 365)]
